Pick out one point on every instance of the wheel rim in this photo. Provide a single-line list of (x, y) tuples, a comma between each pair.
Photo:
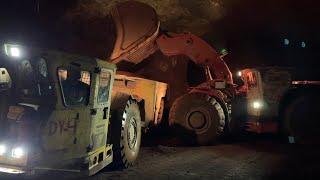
[(132, 133), (198, 120)]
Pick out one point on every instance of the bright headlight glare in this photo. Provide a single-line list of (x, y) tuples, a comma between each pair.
[(3, 150), (12, 50), (15, 52), (18, 152), (239, 73), (256, 104)]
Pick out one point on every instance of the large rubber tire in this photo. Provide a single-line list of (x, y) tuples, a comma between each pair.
[(301, 120), (126, 135), (200, 116)]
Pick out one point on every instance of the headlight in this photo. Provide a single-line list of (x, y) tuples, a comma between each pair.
[(239, 73), (15, 52), (18, 152), (3, 150), (12, 50), (257, 104)]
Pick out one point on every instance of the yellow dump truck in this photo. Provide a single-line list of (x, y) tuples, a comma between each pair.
[(66, 112)]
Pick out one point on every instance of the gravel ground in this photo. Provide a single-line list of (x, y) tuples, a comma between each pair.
[(253, 159)]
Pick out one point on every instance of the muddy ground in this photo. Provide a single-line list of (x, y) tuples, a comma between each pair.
[(252, 158)]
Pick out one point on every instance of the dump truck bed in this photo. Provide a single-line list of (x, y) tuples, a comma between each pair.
[(150, 92)]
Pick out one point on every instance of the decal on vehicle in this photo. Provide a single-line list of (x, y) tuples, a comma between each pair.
[(59, 127)]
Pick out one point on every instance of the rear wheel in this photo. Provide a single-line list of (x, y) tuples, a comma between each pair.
[(201, 118), (300, 120), (126, 135)]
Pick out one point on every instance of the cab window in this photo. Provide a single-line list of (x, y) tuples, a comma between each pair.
[(104, 85), (32, 79), (251, 79), (75, 86)]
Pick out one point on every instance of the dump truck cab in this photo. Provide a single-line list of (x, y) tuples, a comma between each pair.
[(260, 93), (263, 89), (54, 111), (273, 101)]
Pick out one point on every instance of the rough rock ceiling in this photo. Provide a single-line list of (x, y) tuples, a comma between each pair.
[(176, 15)]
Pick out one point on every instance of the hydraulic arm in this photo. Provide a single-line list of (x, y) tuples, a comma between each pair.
[(198, 51)]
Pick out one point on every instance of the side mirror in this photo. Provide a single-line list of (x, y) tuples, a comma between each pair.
[(5, 80)]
